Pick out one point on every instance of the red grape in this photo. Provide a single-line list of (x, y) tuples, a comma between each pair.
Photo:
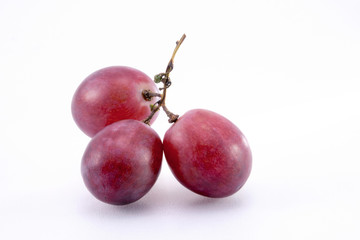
[(207, 153), (109, 95), (122, 162)]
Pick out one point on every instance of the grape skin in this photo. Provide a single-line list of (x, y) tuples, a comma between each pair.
[(122, 162), (109, 95), (207, 153)]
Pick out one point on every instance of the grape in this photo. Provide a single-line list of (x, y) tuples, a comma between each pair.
[(207, 153), (122, 162), (109, 95)]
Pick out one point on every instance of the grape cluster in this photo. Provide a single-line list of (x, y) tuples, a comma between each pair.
[(115, 106)]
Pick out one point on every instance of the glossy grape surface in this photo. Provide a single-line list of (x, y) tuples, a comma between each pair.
[(207, 153), (109, 95), (122, 162)]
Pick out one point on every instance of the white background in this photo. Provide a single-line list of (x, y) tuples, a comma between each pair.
[(286, 73)]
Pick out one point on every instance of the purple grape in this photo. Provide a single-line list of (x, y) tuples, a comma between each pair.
[(122, 162)]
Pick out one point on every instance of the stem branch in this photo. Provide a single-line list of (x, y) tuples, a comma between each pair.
[(165, 79)]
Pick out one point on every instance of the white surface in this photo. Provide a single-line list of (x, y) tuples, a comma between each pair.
[(286, 72)]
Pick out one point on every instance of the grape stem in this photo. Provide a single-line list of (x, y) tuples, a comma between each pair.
[(148, 95), (165, 79)]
